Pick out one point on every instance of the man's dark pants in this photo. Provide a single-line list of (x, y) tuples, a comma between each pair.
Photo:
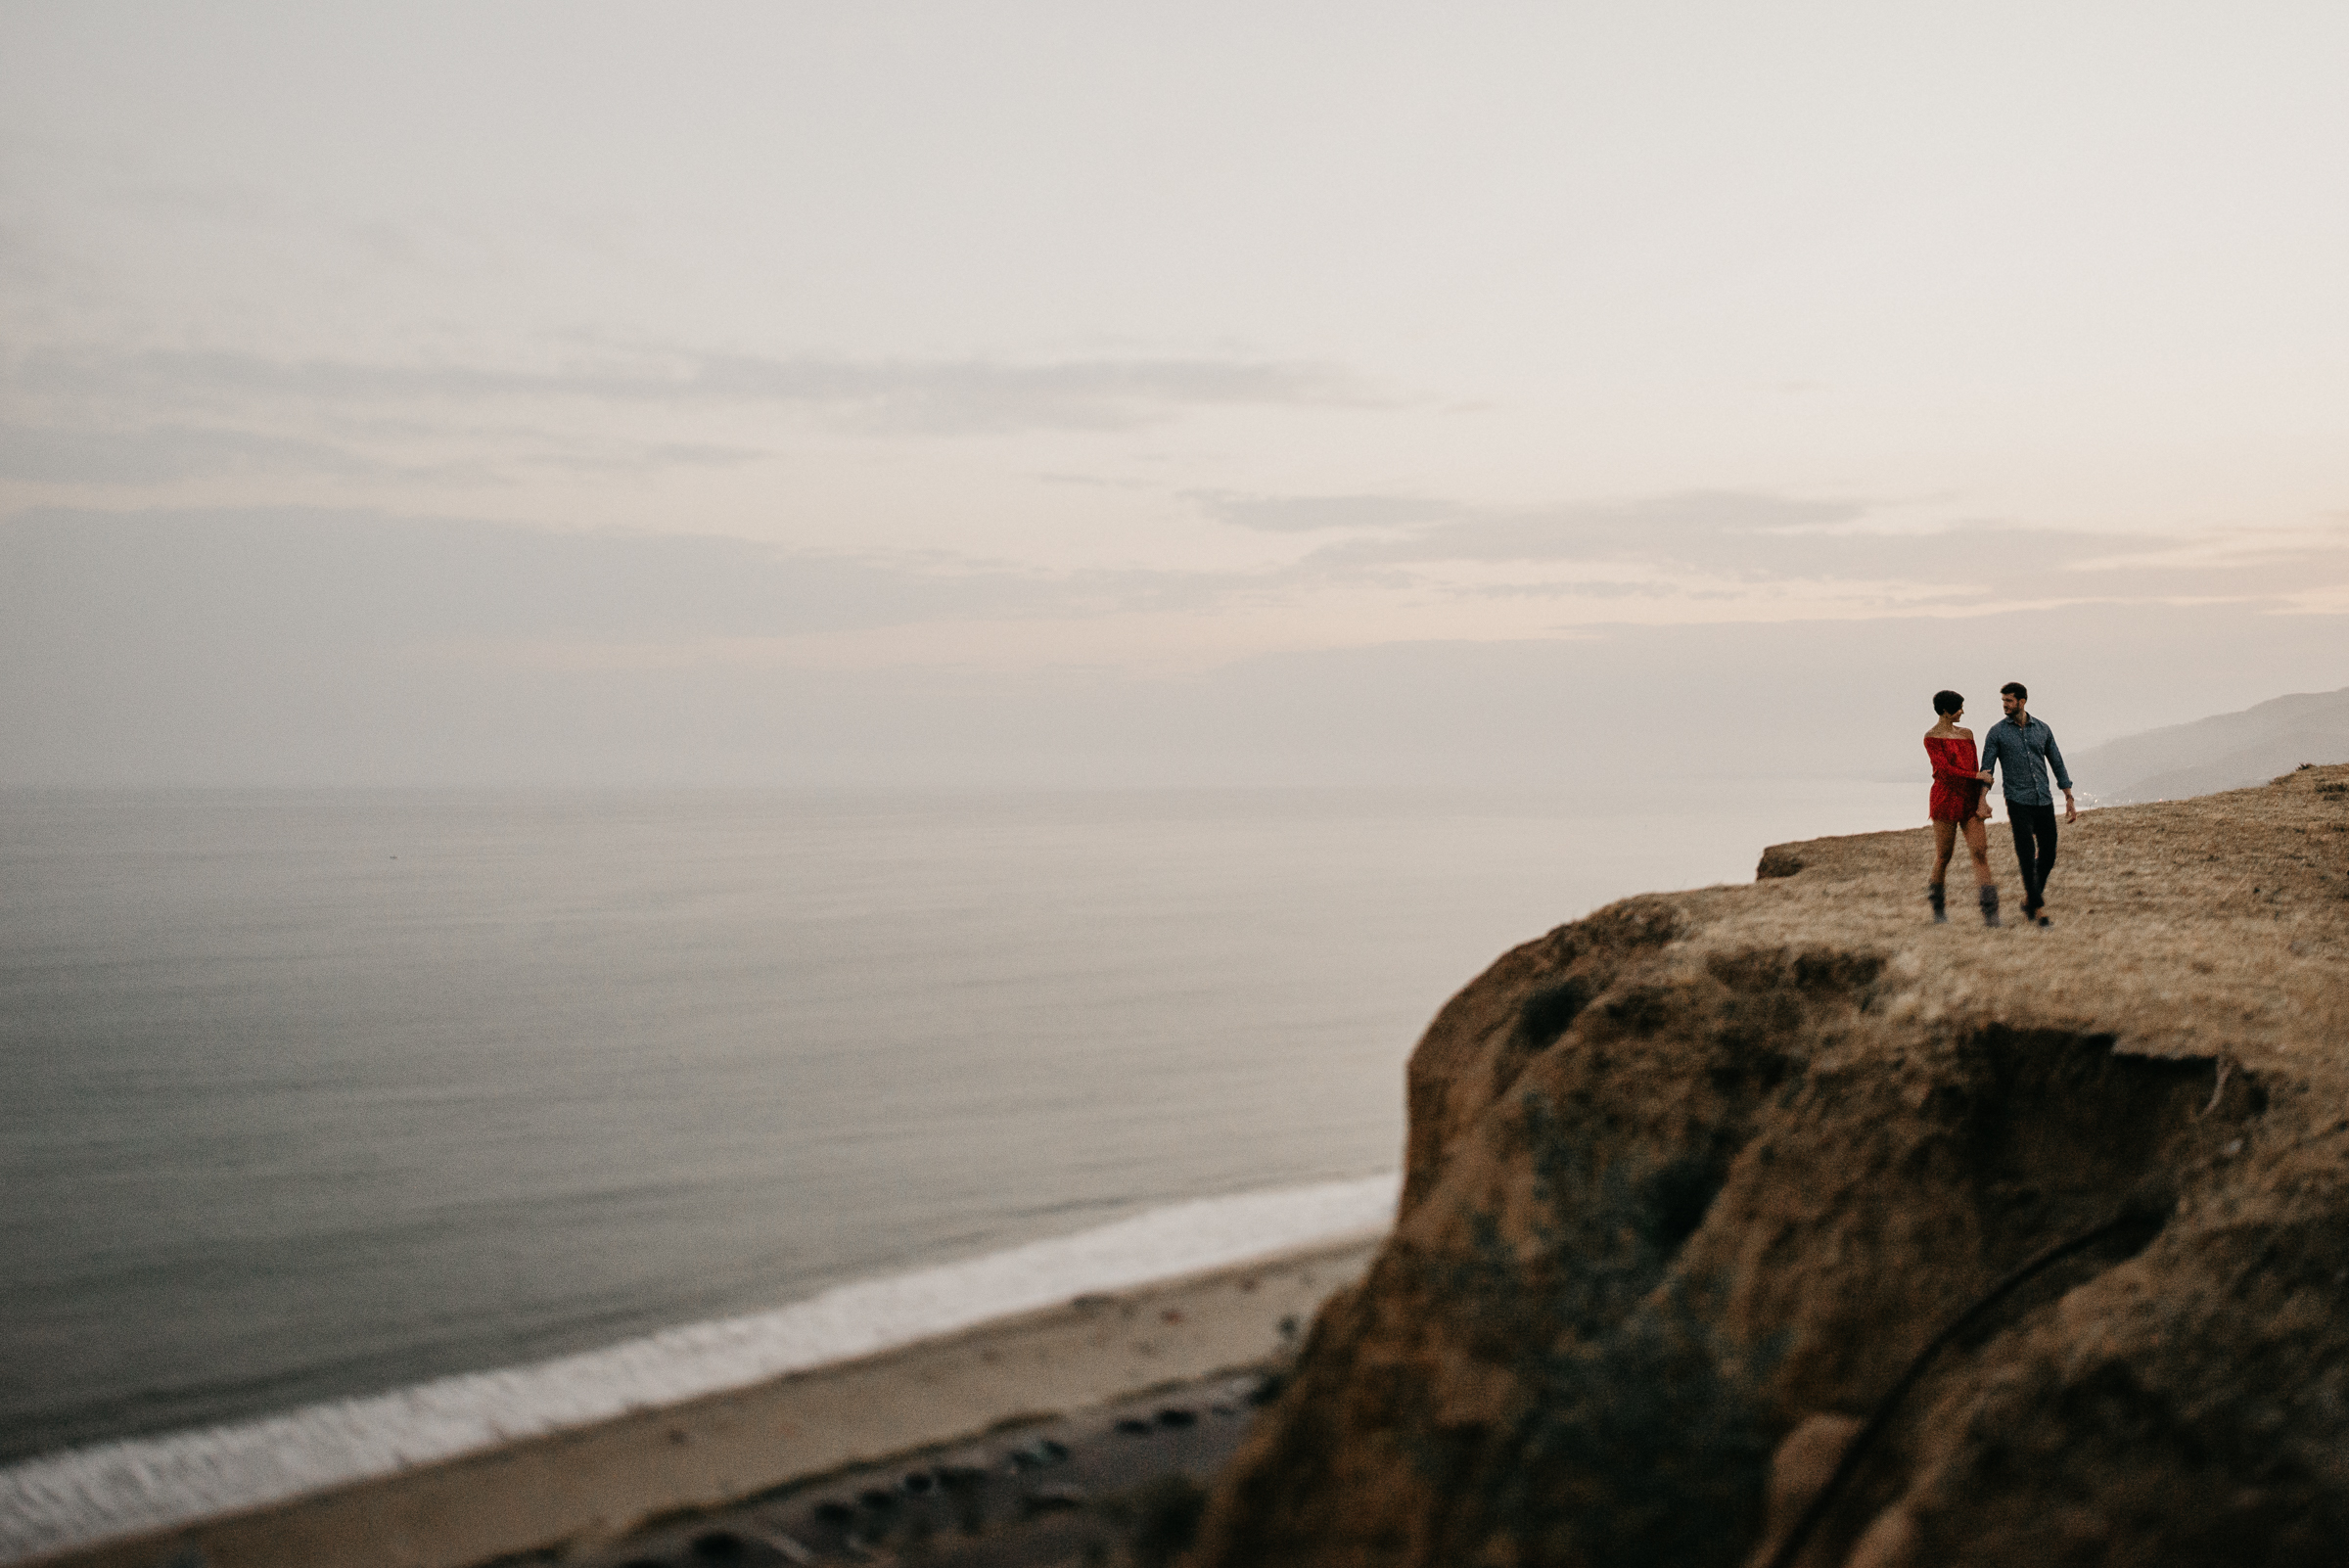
[(2033, 847)]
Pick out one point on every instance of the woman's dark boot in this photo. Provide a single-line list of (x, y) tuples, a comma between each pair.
[(1990, 905), (1940, 909)]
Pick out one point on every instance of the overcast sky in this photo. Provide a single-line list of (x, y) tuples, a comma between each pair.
[(588, 390)]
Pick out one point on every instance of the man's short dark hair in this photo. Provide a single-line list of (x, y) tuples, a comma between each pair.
[(1948, 702), (2016, 690)]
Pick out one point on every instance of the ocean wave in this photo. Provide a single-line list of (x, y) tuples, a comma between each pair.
[(86, 1494)]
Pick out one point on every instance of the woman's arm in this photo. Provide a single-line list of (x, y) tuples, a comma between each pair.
[(1943, 773)]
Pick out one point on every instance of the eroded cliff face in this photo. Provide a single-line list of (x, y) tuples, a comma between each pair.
[(1691, 1182)]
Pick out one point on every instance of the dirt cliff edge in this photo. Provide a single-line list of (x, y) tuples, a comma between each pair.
[(1691, 1182)]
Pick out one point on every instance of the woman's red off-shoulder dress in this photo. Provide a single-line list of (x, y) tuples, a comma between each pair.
[(1956, 792)]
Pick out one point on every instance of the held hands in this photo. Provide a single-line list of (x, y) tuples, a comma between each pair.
[(1984, 777)]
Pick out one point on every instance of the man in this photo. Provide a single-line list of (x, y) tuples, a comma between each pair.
[(2022, 748)]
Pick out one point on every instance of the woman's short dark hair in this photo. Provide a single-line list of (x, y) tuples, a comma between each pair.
[(1948, 702)]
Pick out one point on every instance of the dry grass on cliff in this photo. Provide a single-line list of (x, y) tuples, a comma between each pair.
[(2199, 927)]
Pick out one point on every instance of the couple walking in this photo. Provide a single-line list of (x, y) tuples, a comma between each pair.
[(2021, 749)]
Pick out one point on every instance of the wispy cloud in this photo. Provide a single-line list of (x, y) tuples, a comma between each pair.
[(1313, 514), (168, 453), (1704, 531), (1717, 546), (971, 396), (482, 592), (158, 454)]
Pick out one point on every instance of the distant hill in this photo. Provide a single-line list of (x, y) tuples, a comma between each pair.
[(2225, 751)]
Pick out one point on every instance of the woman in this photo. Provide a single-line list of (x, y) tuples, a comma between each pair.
[(1958, 804)]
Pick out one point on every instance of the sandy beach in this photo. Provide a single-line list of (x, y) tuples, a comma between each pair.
[(580, 1492)]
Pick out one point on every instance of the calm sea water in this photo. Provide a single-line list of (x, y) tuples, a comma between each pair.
[(311, 1095)]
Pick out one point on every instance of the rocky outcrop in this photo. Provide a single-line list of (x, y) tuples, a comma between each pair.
[(1691, 1182)]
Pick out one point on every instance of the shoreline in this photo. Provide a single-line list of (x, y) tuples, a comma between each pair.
[(583, 1486), (147, 1485)]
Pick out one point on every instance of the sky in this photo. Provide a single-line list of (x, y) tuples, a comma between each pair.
[(1057, 393)]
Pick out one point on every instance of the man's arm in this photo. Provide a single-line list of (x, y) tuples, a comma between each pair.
[(1987, 754), (2063, 777)]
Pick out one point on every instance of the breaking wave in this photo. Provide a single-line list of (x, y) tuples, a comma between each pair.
[(142, 1483)]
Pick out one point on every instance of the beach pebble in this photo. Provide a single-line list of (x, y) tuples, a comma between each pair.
[(1052, 1500), (1134, 1426), (1174, 1416)]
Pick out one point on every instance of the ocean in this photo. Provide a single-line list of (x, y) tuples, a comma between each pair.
[(321, 1112)]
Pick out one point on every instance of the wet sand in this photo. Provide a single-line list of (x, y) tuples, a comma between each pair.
[(577, 1494)]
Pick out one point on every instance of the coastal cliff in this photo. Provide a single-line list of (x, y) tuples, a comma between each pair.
[(1692, 1183)]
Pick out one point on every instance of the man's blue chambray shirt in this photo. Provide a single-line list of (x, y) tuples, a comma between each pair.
[(2022, 748)]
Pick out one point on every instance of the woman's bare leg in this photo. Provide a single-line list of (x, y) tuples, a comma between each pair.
[(1977, 844), (1944, 839)]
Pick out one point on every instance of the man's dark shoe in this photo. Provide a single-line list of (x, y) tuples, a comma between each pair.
[(1990, 906)]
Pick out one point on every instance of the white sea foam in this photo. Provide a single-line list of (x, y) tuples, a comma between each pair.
[(113, 1489)]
